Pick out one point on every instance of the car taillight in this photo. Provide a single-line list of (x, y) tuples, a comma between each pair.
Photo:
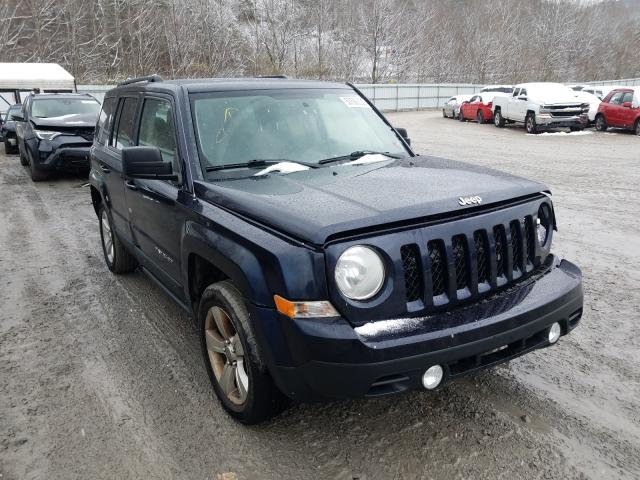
[(490, 104)]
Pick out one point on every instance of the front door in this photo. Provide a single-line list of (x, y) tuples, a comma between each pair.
[(155, 211), (612, 113)]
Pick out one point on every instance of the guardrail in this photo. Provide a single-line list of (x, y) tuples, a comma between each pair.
[(401, 96)]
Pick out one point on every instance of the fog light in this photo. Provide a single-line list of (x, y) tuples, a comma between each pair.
[(432, 377), (554, 332)]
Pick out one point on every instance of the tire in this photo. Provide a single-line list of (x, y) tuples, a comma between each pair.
[(461, 116), (230, 352), (601, 123), (480, 117), (638, 127), (530, 123), (23, 160), (8, 149), (498, 119), (444, 115), (116, 256), (37, 175)]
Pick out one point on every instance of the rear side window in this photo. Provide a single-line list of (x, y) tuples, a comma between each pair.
[(157, 129), (123, 136), (103, 128)]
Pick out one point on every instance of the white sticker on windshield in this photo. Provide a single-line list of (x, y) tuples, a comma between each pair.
[(354, 102), (88, 101)]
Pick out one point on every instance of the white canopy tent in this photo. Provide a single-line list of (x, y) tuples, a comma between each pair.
[(27, 76), (17, 79)]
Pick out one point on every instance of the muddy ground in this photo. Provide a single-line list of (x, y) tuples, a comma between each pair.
[(101, 376)]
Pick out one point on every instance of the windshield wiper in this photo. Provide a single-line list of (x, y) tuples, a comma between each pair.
[(357, 154), (258, 162)]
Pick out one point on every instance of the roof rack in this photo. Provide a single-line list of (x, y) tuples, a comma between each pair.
[(273, 76), (148, 78)]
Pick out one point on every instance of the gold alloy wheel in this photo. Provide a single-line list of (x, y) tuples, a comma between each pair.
[(226, 355)]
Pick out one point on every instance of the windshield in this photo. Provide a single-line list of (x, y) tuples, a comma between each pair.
[(299, 125), (59, 107)]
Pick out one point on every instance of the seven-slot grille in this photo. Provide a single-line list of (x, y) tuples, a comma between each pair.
[(491, 257)]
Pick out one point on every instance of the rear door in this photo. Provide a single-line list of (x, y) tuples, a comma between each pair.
[(520, 106), (110, 161), (628, 113), (155, 215)]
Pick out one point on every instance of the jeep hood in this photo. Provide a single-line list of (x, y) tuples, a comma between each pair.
[(314, 205), (76, 120)]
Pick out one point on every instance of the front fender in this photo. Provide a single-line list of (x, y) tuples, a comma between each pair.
[(258, 262)]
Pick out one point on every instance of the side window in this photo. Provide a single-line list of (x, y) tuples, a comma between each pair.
[(123, 136), (103, 127), (616, 99), (523, 92), (157, 129), (516, 91), (628, 97)]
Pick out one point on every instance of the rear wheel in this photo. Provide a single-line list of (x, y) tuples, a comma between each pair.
[(638, 127), (480, 117), (117, 257), (498, 120), (8, 149), (238, 374), (601, 123), (530, 123)]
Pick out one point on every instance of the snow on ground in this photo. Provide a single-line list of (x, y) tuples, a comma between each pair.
[(583, 132)]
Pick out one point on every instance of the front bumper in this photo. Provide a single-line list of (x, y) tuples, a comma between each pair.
[(547, 120), (324, 359), (68, 153)]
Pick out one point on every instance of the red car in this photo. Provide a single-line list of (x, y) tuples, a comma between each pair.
[(620, 109), (478, 108)]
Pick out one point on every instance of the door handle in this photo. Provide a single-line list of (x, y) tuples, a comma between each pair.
[(130, 185), (104, 168)]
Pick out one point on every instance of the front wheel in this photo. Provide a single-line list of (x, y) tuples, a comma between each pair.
[(601, 123), (37, 175), (498, 119), (530, 123), (638, 127), (238, 374), (480, 117)]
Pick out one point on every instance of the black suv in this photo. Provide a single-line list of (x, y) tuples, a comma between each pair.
[(8, 129), (55, 132), (321, 257)]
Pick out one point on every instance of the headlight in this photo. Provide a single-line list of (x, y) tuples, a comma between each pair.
[(44, 135), (544, 109), (359, 273), (544, 226)]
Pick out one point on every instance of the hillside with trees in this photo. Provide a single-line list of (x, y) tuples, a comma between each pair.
[(480, 41)]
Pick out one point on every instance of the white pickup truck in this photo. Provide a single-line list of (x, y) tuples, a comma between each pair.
[(540, 106)]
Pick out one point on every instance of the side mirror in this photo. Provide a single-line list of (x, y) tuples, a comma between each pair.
[(626, 104), (146, 162), (522, 97), (403, 133)]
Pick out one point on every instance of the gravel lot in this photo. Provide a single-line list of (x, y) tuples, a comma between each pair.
[(101, 376)]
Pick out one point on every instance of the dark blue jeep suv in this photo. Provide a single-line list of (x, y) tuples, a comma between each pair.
[(321, 257)]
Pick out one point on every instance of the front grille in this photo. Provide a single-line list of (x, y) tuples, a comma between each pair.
[(492, 257), (460, 257), (413, 281), (501, 251), (438, 263), (482, 256)]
